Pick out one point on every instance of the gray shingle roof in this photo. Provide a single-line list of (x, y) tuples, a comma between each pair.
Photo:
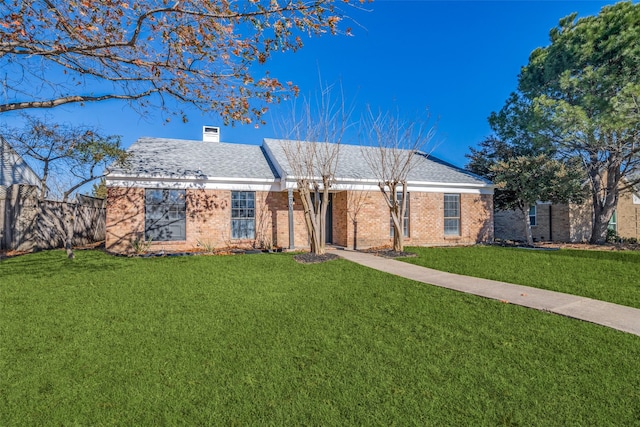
[(352, 165), (184, 159), (176, 158)]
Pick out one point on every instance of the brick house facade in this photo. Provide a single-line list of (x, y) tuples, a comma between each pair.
[(234, 195), (570, 222)]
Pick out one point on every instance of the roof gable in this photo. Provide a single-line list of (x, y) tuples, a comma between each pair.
[(13, 168)]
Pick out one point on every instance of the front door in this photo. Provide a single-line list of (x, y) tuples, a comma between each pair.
[(328, 221)]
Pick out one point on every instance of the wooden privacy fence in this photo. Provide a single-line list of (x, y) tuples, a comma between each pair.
[(27, 224)]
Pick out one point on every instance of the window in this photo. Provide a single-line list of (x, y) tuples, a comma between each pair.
[(243, 215), (405, 223), (164, 215), (451, 214), (532, 215), (613, 222)]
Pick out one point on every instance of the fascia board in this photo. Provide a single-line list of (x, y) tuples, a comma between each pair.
[(425, 187), (239, 184)]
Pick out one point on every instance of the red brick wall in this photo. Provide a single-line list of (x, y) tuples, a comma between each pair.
[(426, 219), (125, 218), (341, 222), (278, 206), (209, 220)]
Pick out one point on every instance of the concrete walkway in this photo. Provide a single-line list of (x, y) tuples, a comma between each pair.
[(614, 316)]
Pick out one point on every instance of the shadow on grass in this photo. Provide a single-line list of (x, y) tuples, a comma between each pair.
[(53, 262)]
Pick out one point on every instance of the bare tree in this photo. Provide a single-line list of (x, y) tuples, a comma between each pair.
[(356, 201), (65, 157), (393, 148), (312, 149), (195, 52)]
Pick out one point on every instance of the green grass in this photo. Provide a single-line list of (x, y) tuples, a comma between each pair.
[(605, 275), (262, 340)]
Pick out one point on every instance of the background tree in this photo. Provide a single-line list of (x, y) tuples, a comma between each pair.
[(587, 86), (99, 189), (523, 180), (356, 201), (393, 147), (196, 52), (311, 144), (522, 162), (66, 157)]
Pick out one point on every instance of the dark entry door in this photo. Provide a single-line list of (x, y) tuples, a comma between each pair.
[(328, 219), (328, 232)]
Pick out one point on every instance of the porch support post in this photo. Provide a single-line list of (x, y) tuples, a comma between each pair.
[(291, 242)]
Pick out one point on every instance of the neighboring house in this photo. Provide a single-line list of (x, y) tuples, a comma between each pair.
[(13, 168), (549, 222), (26, 223), (183, 194), (569, 222), (626, 219), (18, 187)]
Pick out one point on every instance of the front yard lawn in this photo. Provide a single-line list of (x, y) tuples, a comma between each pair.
[(612, 276), (263, 340)]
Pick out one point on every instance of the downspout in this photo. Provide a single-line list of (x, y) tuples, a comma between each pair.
[(291, 240)]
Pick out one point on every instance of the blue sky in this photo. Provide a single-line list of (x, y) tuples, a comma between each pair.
[(459, 59)]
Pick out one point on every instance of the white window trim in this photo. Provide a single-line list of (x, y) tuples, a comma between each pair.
[(458, 217)]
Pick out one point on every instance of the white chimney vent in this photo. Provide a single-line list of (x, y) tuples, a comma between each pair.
[(210, 134)]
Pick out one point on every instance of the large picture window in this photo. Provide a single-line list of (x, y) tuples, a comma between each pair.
[(405, 222), (164, 215), (451, 214), (243, 215)]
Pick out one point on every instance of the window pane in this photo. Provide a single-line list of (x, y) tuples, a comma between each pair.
[(243, 222), (153, 196), (451, 226), (452, 214), (165, 214), (532, 215), (613, 222)]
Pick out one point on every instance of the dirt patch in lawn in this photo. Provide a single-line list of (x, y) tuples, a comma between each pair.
[(579, 246), (387, 252), (310, 258), (590, 247)]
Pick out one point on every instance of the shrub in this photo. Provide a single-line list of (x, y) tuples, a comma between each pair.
[(140, 245)]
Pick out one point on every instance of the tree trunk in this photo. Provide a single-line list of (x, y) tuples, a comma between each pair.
[(398, 241), (402, 210), (355, 235), (396, 212), (398, 232), (312, 219), (527, 227), (69, 220), (605, 202), (601, 216)]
